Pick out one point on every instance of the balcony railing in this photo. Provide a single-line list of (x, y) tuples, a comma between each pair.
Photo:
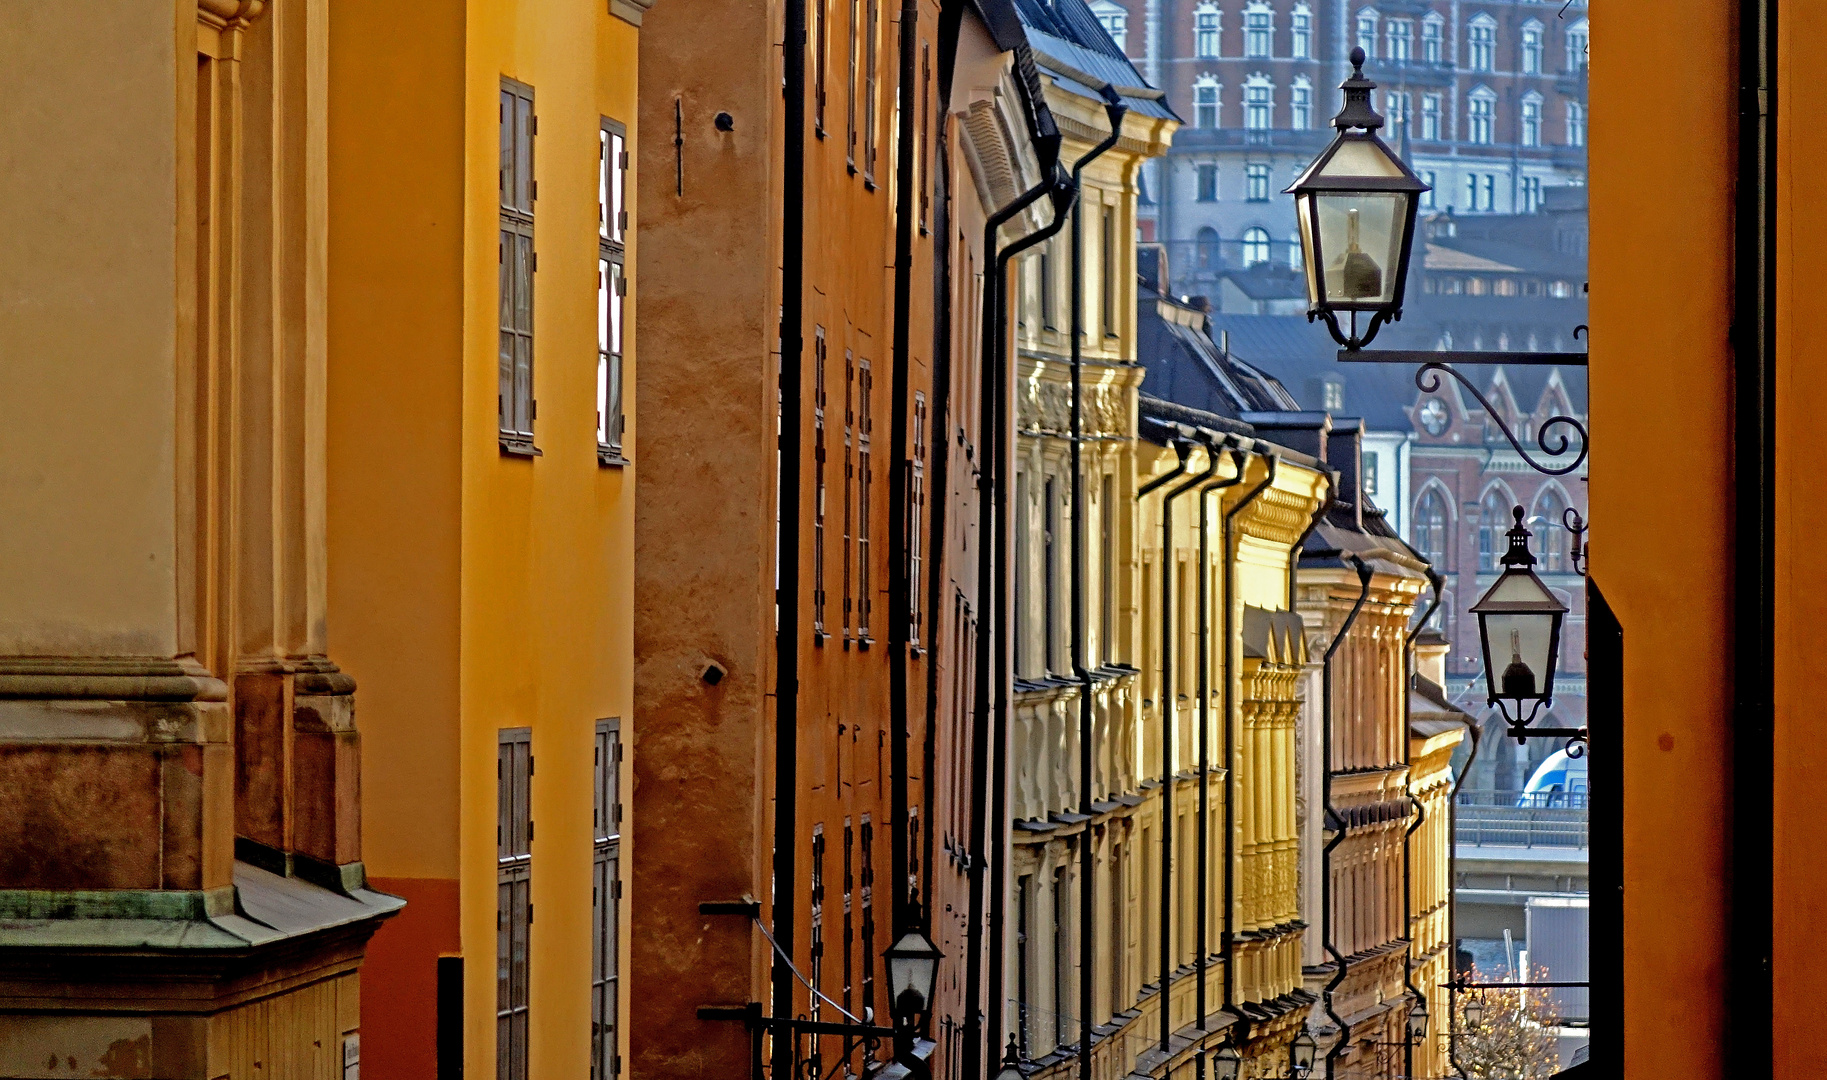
[(1516, 819)]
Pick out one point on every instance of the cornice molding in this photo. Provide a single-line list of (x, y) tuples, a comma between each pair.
[(630, 11)]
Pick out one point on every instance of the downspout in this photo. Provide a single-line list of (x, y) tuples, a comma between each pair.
[(1434, 581), (1230, 714), (1335, 823), (1170, 787), (900, 606), (786, 636), (1061, 195), (1202, 871), (1087, 913), (987, 482)]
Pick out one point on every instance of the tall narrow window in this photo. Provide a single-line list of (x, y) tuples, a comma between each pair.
[(1205, 31), (1062, 930), (1551, 531), (1532, 120), (849, 480), (606, 895), (868, 901), (513, 899), (1433, 39), (1049, 574), (517, 264), (1258, 104), (1024, 960), (1258, 31), (871, 57), (1398, 40), (1046, 286), (1024, 560), (924, 182), (1205, 103), (849, 916), (850, 117), (1119, 946), (864, 476), (916, 522), (1205, 188), (1481, 38), (611, 287), (1106, 554), (1532, 48), (1256, 183), (1576, 124), (1367, 32), (1300, 33), (1300, 104), (821, 62), (1430, 116), (1481, 115), (1255, 246), (818, 921), (819, 455), (1493, 525), (1579, 40), (1108, 273)]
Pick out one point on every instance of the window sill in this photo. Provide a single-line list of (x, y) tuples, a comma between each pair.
[(818, 638), (512, 446), (610, 457), (863, 643)]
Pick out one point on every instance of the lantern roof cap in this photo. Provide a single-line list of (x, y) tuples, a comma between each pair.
[(1358, 112)]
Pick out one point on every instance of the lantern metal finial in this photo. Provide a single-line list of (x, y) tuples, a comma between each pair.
[(1519, 553), (1357, 112)]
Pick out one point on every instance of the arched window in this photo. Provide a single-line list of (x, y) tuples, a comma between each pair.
[(1494, 522), (1532, 37), (1205, 102), (1576, 124), (1258, 103), (1258, 30), (1532, 119), (1206, 248), (1367, 32), (1300, 103), (1255, 247), (1550, 530), (1295, 259), (1481, 115), (1481, 42), (1205, 30), (1300, 32), (1115, 21), (1430, 527)]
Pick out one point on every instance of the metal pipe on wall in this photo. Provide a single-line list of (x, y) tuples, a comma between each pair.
[(1202, 871), (1434, 581), (1232, 715), (1334, 822), (1087, 941)]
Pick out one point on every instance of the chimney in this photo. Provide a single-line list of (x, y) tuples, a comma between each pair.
[(1151, 266), (1345, 452)]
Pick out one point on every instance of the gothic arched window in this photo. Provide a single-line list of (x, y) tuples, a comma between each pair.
[(1430, 527), (1494, 521), (1551, 532)]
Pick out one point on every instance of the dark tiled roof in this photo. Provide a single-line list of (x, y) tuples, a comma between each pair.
[(1072, 46)]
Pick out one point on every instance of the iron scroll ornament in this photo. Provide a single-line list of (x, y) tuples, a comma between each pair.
[(1427, 379)]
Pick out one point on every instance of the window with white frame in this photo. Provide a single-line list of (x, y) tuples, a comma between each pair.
[(1300, 103), (1300, 32), (1578, 46), (1433, 35), (1295, 261), (1367, 32), (514, 900), (1428, 202), (1576, 124), (1205, 102), (1205, 30), (1481, 192), (611, 286), (1430, 116), (1481, 116), (1256, 183), (1207, 183), (606, 903), (1258, 103), (1532, 48), (1532, 119), (1396, 108), (1115, 21), (1258, 31), (1481, 42), (1529, 195), (1398, 40), (1255, 246)]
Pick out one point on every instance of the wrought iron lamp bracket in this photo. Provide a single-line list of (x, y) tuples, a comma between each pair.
[(1350, 338), (1427, 380)]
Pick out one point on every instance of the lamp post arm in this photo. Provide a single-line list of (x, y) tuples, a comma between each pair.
[(1427, 378)]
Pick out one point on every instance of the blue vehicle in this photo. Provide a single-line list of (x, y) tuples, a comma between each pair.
[(1558, 781)]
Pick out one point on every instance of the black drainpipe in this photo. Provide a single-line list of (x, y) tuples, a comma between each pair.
[(1115, 110), (1334, 822), (987, 483), (1061, 195), (1231, 714), (1202, 871), (1434, 582), (1749, 990), (1170, 787), (900, 607), (786, 637)]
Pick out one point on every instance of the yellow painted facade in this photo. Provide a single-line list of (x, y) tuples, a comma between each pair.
[(493, 587)]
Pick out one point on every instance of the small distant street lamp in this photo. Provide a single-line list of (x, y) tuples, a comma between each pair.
[(913, 970), (1519, 624), (1302, 1053), (1417, 1020), (1356, 207), (1474, 1011), (1227, 1064)]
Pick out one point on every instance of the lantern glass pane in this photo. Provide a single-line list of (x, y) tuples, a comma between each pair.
[(1303, 212), (1519, 647), (1361, 241), (1359, 157), (1521, 589)]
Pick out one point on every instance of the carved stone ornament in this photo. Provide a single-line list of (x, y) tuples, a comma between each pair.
[(223, 14)]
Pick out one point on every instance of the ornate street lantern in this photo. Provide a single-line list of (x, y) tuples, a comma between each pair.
[(913, 969), (1356, 207), (1519, 623), (1303, 1052), (1011, 1063), (1417, 1020), (1474, 1011), (1226, 1064)]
